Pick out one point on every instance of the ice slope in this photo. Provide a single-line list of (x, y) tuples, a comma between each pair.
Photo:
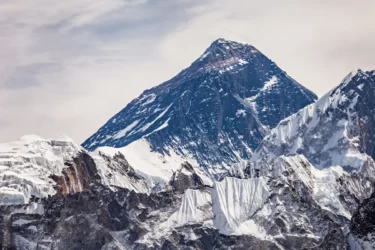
[(155, 167), (291, 205), (27, 167), (324, 155), (228, 207), (195, 208), (234, 201), (329, 145)]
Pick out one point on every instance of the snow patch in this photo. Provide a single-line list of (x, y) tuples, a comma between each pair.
[(326, 191), (145, 127), (155, 167), (149, 99), (270, 83), (242, 62), (204, 56), (124, 131), (21, 222), (241, 112)]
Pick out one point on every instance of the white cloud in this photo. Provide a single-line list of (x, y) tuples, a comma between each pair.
[(67, 66)]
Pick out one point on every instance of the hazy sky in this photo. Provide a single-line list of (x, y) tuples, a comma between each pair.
[(67, 66)]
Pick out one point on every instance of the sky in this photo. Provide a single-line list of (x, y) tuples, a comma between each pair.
[(66, 67)]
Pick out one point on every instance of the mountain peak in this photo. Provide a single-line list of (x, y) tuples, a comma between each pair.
[(224, 42), (357, 75), (224, 47), (213, 113), (339, 119), (225, 55)]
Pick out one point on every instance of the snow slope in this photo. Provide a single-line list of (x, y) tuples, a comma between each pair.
[(155, 167), (235, 201), (195, 208), (114, 175)]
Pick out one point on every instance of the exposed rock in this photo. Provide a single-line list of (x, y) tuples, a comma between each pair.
[(185, 178), (80, 173)]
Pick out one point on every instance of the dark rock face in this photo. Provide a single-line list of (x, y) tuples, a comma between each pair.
[(77, 177), (334, 240), (362, 225), (363, 220), (185, 178), (210, 239), (217, 110), (363, 83), (80, 221)]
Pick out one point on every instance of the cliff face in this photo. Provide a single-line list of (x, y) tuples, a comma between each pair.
[(78, 175)]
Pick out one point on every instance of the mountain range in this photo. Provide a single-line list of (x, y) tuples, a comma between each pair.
[(231, 153)]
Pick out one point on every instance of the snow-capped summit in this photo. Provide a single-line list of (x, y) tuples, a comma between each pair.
[(224, 49), (337, 130), (335, 137), (214, 112)]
